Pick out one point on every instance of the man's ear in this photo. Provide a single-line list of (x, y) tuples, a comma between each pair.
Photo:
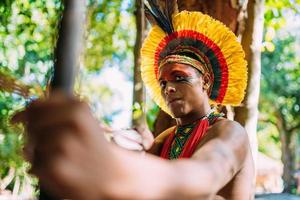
[(206, 81)]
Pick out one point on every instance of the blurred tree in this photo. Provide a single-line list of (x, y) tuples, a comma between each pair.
[(28, 33), (5, 10), (280, 68), (280, 99), (104, 32)]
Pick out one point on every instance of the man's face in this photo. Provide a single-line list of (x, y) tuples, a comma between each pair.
[(182, 88)]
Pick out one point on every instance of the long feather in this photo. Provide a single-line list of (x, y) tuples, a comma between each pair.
[(171, 9), (149, 16), (161, 11), (158, 19)]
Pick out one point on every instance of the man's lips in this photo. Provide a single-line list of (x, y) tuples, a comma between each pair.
[(169, 101)]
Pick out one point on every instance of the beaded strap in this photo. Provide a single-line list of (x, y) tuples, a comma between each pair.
[(178, 141)]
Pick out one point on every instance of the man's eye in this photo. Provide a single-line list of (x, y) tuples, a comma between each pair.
[(180, 78), (162, 84)]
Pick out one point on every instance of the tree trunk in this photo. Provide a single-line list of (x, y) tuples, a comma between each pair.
[(287, 159), (226, 11), (247, 114), (287, 156), (138, 114)]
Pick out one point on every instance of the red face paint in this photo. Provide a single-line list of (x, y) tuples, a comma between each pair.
[(177, 73)]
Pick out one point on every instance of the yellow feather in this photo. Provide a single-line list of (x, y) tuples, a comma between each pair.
[(216, 32)]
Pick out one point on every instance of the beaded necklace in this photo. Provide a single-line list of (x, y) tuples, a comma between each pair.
[(183, 141)]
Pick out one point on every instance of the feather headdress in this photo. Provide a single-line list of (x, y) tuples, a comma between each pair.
[(210, 40)]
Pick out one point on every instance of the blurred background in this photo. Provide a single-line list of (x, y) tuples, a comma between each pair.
[(108, 78)]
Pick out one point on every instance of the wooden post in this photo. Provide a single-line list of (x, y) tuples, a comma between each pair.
[(138, 117), (247, 113)]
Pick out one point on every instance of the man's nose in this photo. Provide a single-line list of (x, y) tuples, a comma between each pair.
[(170, 88)]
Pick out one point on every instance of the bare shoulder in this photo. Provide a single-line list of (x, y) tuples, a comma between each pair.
[(232, 137), (225, 137), (159, 141), (226, 129)]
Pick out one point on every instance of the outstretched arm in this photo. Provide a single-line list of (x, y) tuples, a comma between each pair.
[(211, 167), (73, 159)]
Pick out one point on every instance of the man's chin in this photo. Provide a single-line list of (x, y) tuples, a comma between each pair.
[(178, 114)]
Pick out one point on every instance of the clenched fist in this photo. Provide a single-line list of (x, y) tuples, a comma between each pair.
[(64, 144)]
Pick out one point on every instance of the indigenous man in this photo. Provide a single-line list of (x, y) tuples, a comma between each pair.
[(189, 64)]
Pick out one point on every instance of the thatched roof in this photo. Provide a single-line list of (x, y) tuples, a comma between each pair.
[(13, 85)]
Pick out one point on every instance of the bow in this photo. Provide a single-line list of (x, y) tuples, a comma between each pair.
[(67, 53)]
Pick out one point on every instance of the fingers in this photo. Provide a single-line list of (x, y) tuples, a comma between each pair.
[(128, 139), (147, 136), (48, 122), (106, 128), (44, 116), (19, 117), (129, 134), (64, 144), (50, 148), (60, 112), (28, 151)]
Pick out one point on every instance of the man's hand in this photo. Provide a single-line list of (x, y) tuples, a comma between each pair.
[(64, 144), (128, 139), (137, 139), (147, 136)]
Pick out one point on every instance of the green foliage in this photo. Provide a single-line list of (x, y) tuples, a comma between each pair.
[(11, 142), (29, 39), (275, 11), (283, 66), (27, 35), (280, 81), (110, 34), (280, 97), (152, 114), (280, 71), (28, 32), (5, 10)]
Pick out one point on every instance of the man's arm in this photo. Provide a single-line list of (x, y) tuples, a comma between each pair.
[(73, 159), (220, 158), (210, 168)]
